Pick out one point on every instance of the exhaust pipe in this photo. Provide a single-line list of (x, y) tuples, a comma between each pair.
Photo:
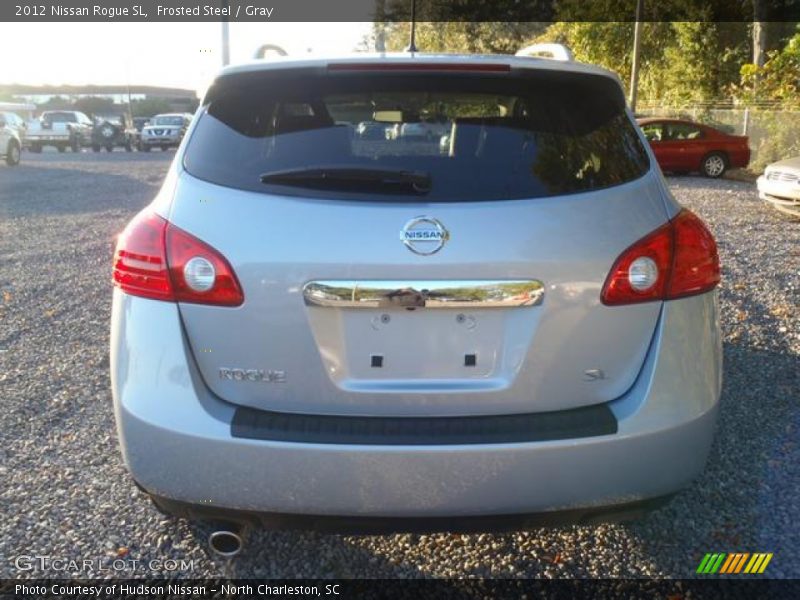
[(227, 542)]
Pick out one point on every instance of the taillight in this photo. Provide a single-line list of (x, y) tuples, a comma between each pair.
[(140, 261), (154, 259), (695, 268), (198, 272), (678, 259)]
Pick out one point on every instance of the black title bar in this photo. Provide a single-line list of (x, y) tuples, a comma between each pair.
[(394, 10), (344, 589)]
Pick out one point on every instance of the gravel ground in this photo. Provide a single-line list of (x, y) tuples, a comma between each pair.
[(65, 493)]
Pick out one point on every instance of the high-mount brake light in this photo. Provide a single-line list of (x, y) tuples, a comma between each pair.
[(420, 66), (154, 259), (676, 260)]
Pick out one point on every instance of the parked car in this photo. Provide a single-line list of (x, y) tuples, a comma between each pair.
[(10, 143), (307, 334), (164, 131), (415, 128), (112, 131), (15, 122), (684, 146), (780, 186), (425, 129), (371, 130), (60, 128)]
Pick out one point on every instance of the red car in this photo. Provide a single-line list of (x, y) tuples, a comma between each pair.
[(683, 146)]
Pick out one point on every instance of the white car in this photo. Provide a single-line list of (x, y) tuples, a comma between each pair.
[(10, 143), (780, 186)]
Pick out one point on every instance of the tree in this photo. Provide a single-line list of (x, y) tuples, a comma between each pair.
[(464, 37), (680, 62), (95, 105), (56, 103), (150, 106), (778, 80)]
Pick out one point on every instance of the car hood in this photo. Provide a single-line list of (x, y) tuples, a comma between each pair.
[(788, 163)]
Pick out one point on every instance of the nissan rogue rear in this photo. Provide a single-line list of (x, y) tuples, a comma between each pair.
[(516, 321)]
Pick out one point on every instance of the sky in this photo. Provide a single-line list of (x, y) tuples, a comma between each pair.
[(184, 55)]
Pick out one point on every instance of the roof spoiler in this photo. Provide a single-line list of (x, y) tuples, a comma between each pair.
[(552, 51)]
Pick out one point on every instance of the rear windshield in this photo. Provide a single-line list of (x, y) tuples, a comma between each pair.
[(469, 136), (59, 117)]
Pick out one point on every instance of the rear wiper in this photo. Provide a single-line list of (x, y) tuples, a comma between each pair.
[(352, 178)]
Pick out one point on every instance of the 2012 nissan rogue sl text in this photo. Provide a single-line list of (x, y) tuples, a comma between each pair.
[(510, 317)]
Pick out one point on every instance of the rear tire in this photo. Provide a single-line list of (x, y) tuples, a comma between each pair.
[(95, 148), (109, 148), (75, 144), (144, 148), (61, 148), (714, 165), (12, 154)]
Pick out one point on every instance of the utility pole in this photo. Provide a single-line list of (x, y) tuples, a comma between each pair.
[(226, 48), (637, 46)]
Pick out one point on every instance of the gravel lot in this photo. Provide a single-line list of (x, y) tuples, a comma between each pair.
[(66, 494)]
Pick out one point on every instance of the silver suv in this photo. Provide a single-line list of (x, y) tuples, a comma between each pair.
[(310, 324), (164, 131)]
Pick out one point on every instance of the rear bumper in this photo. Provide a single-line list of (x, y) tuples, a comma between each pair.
[(778, 190), (784, 196), (360, 525), (167, 140), (176, 438), (47, 139)]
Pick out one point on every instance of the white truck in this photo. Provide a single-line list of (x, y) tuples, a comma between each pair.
[(60, 128)]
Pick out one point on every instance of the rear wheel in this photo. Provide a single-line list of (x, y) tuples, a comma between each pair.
[(12, 154), (714, 165), (128, 146), (144, 148), (61, 148), (109, 148), (75, 144), (95, 148)]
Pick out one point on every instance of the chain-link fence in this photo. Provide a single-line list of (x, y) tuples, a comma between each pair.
[(774, 133)]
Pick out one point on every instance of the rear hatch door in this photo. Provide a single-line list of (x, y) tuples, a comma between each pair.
[(370, 291)]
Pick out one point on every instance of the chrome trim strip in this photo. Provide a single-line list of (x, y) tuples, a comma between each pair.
[(410, 294)]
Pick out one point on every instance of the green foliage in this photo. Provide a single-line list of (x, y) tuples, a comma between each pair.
[(56, 103), (689, 63), (778, 79), (680, 62), (465, 37), (96, 105), (150, 106), (774, 135)]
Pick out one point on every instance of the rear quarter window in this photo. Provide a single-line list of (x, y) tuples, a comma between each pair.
[(523, 134)]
